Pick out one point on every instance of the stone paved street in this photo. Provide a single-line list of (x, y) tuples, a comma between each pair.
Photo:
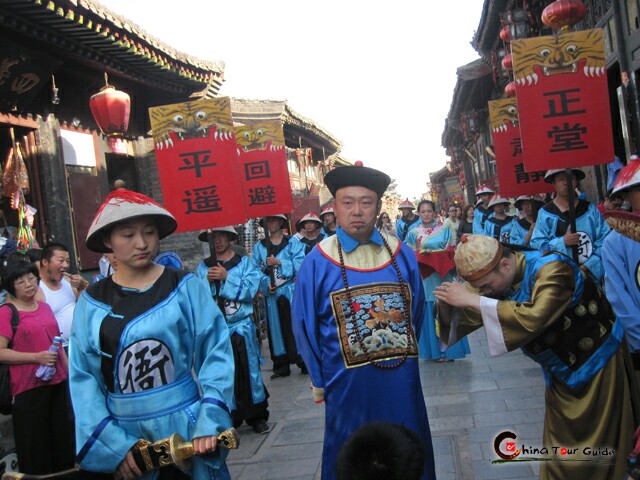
[(469, 402)]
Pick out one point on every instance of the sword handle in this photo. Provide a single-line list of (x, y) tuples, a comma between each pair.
[(168, 451), (175, 450)]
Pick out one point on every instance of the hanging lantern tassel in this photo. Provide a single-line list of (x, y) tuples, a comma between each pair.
[(111, 109)]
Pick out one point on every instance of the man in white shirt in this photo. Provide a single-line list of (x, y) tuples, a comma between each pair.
[(59, 287)]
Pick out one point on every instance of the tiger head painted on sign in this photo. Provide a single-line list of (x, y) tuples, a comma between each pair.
[(191, 120), (256, 136), (502, 113), (555, 54)]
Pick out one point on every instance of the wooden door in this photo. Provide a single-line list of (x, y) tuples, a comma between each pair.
[(85, 200)]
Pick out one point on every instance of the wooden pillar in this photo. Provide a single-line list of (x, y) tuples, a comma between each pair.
[(55, 188)]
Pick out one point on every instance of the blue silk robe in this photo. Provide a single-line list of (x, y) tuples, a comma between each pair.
[(238, 291), (285, 274), (499, 229), (552, 225), (621, 258), (325, 322), (171, 328), (519, 231), (479, 218), (403, 227)]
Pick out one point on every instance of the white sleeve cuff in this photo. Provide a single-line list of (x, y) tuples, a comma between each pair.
[(492, 327)]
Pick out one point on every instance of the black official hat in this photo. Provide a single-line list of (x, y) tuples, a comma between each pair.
[(357, 176)]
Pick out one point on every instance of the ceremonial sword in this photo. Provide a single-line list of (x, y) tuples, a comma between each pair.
[(174, 450)]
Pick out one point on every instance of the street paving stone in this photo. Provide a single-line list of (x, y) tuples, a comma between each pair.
[(469, 402)]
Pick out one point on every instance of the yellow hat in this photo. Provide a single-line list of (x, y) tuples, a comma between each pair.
[(477, 255)]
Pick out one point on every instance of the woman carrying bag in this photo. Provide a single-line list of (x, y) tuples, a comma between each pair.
[(43, 429)]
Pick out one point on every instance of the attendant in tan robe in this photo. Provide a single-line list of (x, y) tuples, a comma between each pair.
[(543, 303)]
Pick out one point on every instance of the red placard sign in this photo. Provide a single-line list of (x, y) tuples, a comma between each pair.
[(198, 163), (513, 179), (563, 100), (263, 163)]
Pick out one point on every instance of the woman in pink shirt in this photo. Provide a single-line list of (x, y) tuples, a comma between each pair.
[(43, 429)]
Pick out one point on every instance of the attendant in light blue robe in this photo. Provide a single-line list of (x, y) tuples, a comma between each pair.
[(149, 351), (329, 221), (522, 228), (499, 224), (408, 220), (552, 228), (233, 281), (279, 263), (621, 258), (482, 212)]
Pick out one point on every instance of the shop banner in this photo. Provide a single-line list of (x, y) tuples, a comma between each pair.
[(563, 100), (263, 164), (513, 179), (453, 187), (198, 163)]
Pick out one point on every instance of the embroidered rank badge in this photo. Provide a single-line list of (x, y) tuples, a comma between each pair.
[(377, 316)]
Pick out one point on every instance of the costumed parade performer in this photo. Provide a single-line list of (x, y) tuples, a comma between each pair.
[(499, 225), (233, 281), (278, 257), (356, 329), (482, 211), (408, 220), (545, 304), (433, 244), (553, 231), (139, 338), (621, 258), (523, 227)]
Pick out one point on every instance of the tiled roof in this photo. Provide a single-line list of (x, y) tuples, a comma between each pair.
[(87, 30), (280, 109)]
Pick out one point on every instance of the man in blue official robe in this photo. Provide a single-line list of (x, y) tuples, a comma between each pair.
[(358, 303)]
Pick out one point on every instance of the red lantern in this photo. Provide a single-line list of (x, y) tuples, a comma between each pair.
[(563, 14), (510, 89), (505, 34), (110, 109), (507, 62)]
